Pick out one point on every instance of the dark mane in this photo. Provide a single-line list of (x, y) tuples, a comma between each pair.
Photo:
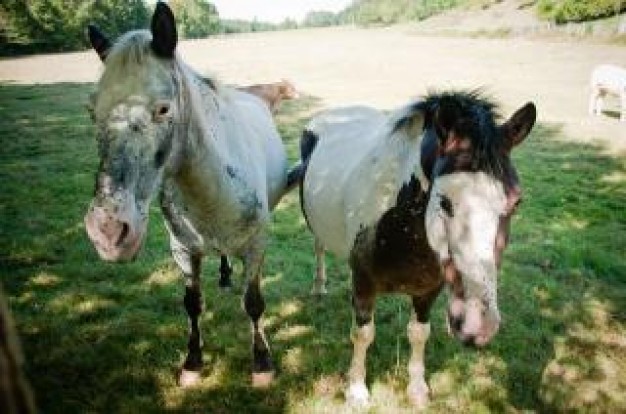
[(475, 117)]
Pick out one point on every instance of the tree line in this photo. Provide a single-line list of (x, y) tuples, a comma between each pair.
[(59, 25), (28, 26)]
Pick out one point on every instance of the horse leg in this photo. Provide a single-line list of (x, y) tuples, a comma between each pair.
[(319, 285), (254, 304), (190, 373), (418, 331), (593, 100), (226, 270), (599, 103), (362, 336)]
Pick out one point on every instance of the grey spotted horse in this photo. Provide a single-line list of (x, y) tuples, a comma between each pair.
[(211, 153)]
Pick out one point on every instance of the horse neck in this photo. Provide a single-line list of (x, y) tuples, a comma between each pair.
[(388, 166), (402, 154), (202, 156)]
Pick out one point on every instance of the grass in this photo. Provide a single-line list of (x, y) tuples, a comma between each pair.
[(102, 337)]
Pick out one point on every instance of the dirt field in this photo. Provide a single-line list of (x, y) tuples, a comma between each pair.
[(386, 67)]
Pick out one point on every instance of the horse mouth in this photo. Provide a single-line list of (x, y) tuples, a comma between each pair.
[(472, 336), (123, 247), (124, 250), (123, 234)]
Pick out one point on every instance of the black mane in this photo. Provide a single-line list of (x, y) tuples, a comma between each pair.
[(476, 118)]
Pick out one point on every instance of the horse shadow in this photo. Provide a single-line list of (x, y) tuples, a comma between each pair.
[(108, 338), (611, 113)]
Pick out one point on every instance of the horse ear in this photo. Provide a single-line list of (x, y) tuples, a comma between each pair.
[(519, 125), (98, 41), (164, 35)]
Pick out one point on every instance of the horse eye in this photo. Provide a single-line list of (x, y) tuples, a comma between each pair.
[(446, 205), (161, 110)]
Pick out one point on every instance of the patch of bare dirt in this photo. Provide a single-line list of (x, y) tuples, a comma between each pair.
[(386, 67), (506, 16)]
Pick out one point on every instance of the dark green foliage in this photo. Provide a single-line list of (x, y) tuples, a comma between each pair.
[(563, 11), (195, 18), (108, 338), (245, 26), (320, 19), (367, 12), (58, 25)]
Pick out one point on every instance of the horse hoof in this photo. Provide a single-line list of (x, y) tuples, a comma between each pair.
[(188, 378), (418, 401), (319, 291), (226, 289), (262, 379), (357, 395), (418, 396)]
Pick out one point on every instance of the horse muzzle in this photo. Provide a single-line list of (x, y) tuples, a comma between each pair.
[(116, 231), (471, 323)]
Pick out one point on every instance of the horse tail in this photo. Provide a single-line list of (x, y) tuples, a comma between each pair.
[(307, 145)]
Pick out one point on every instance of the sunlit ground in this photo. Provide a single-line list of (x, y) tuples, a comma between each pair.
[(109, 338)]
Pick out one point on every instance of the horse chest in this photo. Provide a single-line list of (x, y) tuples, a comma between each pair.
[(223, 224), (393, 255)]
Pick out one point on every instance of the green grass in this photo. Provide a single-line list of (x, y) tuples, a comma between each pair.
[(108, 338)]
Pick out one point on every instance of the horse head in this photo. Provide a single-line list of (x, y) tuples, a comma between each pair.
[(473, 195), (135, 108)]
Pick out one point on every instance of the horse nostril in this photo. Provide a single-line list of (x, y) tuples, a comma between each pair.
[(123, 234), (456, 322), (468, 341)]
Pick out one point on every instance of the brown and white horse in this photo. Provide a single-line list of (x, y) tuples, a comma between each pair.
[(272, 93), (211, 153), (416, 200)]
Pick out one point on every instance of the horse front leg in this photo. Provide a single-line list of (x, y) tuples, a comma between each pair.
[(418, 332), (362, 335), (191, 265), (319, 284), (593, 101), (254, 304), (226, 270)]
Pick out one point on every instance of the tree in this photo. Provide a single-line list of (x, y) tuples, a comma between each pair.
[(57, 25), (320, 19), (195, 18)]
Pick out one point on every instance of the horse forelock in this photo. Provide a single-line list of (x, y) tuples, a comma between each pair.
[(129, 70), (130, 51), (477, 121)]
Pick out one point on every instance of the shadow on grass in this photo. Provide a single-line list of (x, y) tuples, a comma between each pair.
[(109, 338)]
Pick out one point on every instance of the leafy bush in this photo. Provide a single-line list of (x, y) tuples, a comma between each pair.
[(58, 25), (195, 18), (563, 11)]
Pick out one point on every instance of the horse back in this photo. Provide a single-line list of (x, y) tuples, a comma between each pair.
[(344, 137), (261, 133), (611, 78)]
